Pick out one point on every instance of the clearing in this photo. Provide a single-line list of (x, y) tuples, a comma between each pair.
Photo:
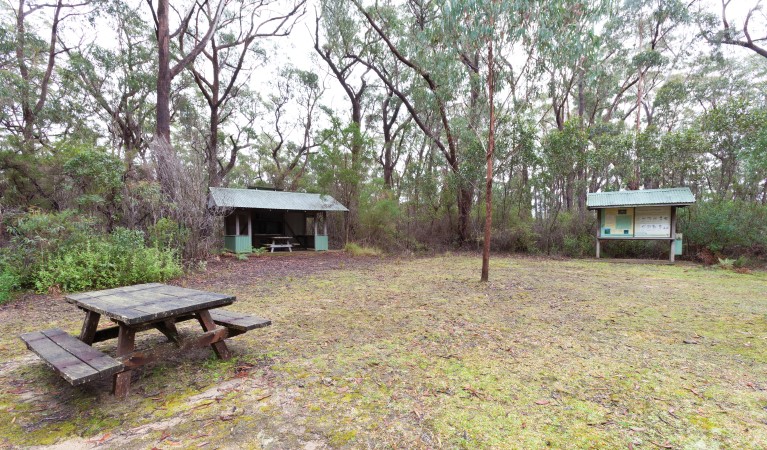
[(416, 352)]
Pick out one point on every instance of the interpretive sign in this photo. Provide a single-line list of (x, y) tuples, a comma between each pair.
[(653, 221), (644, 214)]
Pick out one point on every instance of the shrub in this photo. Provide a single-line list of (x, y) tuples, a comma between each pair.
[(168, 233), (578, 246), (379, 216), (8, 282), (728, 227), (118, 259), (36, 238), (726, 263), (519, 237), (744, 262)]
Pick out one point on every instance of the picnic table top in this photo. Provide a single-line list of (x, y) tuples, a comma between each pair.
[(148, 302)]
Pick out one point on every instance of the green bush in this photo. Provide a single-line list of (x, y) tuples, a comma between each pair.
[(578, 246), (168, 233), (118, 259), (8, 282), (379, 216), (67, 250), (728, 227), (36, 237), (518, 237)]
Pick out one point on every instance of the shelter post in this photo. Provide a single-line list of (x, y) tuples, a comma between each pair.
[(599, 231), (673, 234)]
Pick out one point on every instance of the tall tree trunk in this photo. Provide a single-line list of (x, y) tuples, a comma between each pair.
[(214, 175), (162, 130), (489, 175), (356, 148)]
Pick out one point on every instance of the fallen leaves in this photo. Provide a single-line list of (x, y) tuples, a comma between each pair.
[(474, 392), (100, 440), (696, 393)]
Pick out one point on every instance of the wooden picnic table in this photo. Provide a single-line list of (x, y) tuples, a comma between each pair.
[(134, 309), (281, 242)]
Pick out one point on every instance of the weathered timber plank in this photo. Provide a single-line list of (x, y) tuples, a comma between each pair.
[(179, 291), (133, 305), (106, 334), (104, 292), (151, 308), (238, 321), (168, 328), (70, 367), (220, 348), (104, 364), (140, 358), (90, 324)]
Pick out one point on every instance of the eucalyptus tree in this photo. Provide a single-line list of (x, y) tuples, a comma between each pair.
[(119, 81), (227, 62), (341, 37), (33, 68), (568, 52), (32, 114), (518, 31), (166, 70), (292, 113), (423, 50), (736, 145), (394, 130), (750, 34)]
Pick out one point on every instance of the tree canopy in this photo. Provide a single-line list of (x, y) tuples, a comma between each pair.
[(418, 115)]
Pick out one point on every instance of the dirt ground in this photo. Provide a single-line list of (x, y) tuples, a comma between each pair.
[(394, 352)]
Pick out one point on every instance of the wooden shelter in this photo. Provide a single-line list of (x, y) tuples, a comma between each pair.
[(648, 214), (258, 215)]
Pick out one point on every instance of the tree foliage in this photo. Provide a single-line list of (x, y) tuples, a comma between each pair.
[(392, 111)]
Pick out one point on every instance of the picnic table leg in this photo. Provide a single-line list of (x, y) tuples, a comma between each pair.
[(126, 343), (168, 328), (88, 332), (222, 351)]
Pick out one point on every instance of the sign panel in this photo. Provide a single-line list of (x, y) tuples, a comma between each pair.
[(653, 221), (618, 222)]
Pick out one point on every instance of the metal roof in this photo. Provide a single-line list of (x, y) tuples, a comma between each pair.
[(646, 197), (261, 199)]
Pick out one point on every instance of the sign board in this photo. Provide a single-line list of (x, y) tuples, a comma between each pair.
[(618, 222), (653, 221)]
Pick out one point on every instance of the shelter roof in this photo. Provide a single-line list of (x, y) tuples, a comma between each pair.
[(264, 199)]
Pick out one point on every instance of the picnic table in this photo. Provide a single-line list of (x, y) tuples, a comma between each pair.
[(134, 309), (281, 242)]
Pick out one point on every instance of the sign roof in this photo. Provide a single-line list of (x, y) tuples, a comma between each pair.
[(681, 196)]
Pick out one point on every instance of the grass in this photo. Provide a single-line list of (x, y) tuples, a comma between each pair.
[(418, 353), (360, 250)]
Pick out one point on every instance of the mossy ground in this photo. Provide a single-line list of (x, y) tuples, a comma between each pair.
[(415, 352)]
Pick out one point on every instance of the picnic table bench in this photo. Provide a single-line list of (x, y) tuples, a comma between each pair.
[(135, 309)]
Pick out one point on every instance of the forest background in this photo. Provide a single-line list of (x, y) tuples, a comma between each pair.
[(116, 117)]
